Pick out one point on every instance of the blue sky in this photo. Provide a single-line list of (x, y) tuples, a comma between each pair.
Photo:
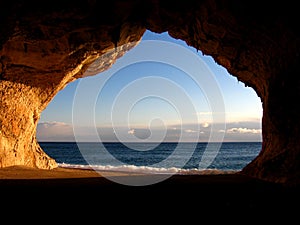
[(155, 100)]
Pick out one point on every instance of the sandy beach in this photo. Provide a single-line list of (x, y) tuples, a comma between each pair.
[(232, 192)]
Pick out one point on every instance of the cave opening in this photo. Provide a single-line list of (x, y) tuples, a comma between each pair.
[(45, 48), (154, 122)]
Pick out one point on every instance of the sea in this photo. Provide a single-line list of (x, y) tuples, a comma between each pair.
[(154, 158)]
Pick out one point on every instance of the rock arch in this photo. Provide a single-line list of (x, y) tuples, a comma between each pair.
[(45, 46)]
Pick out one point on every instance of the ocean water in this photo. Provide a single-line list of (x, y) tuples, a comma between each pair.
[(182, 158)]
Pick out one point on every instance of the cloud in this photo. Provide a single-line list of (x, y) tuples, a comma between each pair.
[(203, 113), (238, 131), (132, 131), (54, 131), (190, 131), (52, 124), (243, 130), (205, 125)]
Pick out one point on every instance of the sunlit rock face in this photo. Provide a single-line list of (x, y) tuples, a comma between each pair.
[(42, 51), (44, 47)]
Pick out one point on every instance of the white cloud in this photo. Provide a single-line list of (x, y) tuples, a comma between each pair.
[(132, 131), (243, 130), (53, 124), (54, 130), (60, 131), (205, 125), (204, 113), (190, 131)]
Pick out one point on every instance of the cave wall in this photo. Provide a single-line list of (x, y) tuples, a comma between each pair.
[(46, 46)]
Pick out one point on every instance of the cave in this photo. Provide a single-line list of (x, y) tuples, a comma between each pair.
[(43, 47)]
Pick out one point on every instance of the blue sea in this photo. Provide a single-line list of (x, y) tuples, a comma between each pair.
[(181, 158)]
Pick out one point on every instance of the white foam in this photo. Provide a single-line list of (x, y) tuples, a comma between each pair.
[(147, 169)]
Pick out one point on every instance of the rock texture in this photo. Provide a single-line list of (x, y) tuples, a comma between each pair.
[(45, 46)]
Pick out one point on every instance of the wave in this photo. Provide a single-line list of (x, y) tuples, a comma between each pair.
[(147, 169)]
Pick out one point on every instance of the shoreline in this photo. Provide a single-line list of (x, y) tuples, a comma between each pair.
[(231, 191), (23, 172)]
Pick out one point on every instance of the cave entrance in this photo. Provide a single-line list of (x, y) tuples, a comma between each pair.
[(141, 130)]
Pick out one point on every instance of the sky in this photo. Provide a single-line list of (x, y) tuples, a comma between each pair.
[(161, 90)]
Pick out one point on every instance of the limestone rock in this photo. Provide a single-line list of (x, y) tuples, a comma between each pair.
[(44, 47)]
